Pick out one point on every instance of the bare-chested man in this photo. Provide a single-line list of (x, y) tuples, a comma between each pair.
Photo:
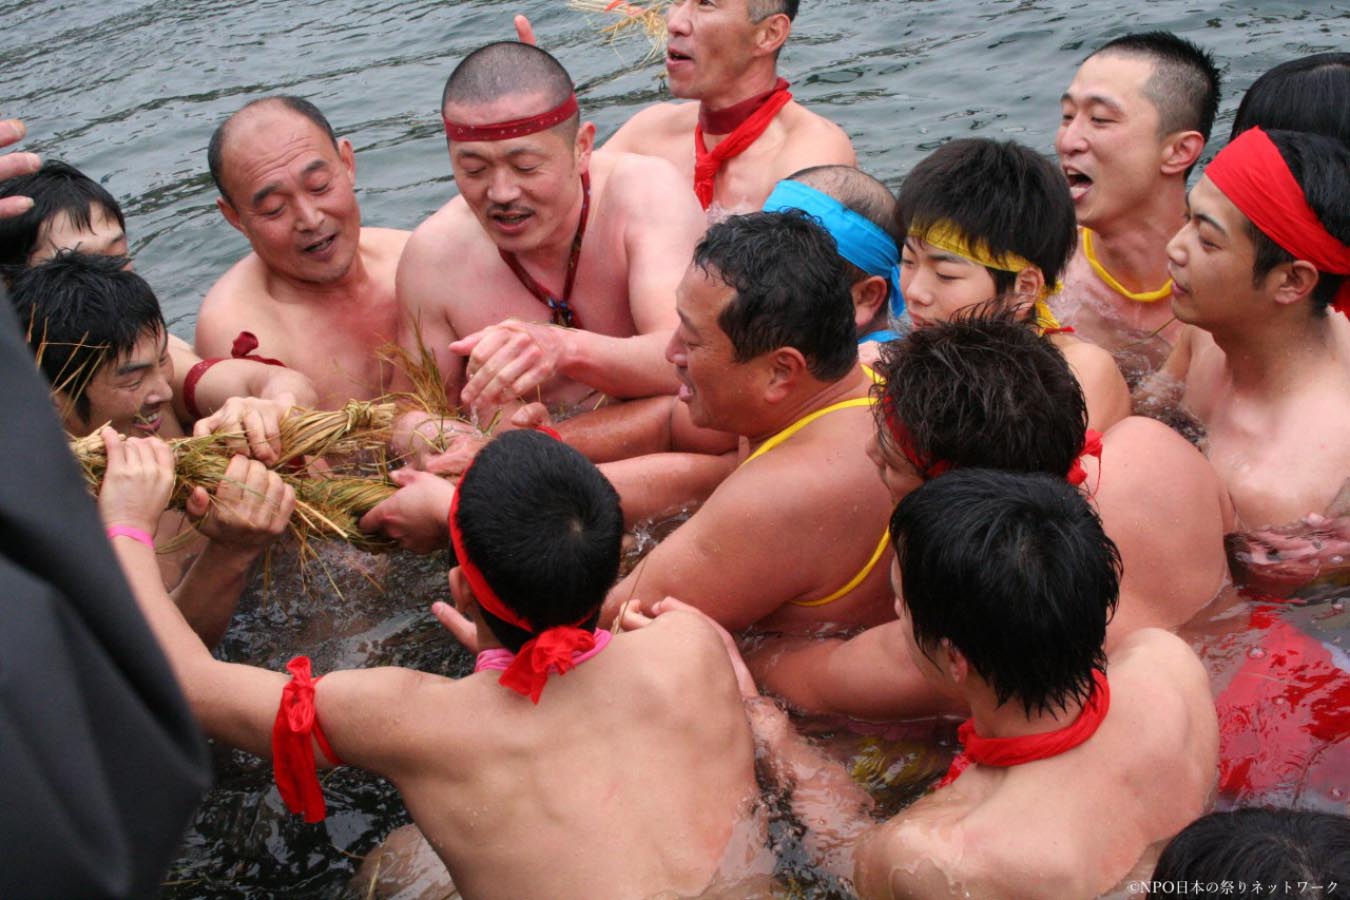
[(554, 270), (1132, 124), (745, 133), (983, 390), (1260, 267), (99, 337), (317, 292), (1076, 765), (515, 774), (766, 349), (71, 211)]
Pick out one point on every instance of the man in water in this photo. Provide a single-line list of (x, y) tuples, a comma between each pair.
[(984, 391), (766, 350), (317, 292), (1260, 268), (859, 212), (71, 211), (746, 132), (1062, 738), (505, 770), (100, 340), (1132, 124), (553, 273)]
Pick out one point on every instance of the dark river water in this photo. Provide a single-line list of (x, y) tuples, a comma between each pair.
[(130, 92)]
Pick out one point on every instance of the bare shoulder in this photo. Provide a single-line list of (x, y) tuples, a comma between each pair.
[(634, 178), (444, 236), (1155, 655), (1139, 440), (237, 301), (824, 140), (385, 242), (654, 124)]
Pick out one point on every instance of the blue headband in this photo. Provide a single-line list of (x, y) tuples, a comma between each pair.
[(860, 241)]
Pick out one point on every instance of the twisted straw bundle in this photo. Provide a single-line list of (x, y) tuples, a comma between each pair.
[(651, 19)]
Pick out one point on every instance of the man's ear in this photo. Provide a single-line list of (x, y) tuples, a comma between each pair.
[(1296, 281), (869, 296), (787, 366), (229, 212), (460, 591), (1029, 282), (71, 420), (348, 157), (771, 34), (585, 144), (1181, 151), (953, 662)]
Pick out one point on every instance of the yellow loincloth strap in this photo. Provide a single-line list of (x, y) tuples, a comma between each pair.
[(788, 432), (1110, 281)]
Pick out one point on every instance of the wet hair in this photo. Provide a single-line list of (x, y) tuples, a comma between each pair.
[(544, 527), (81, 312), (1003, 195), (1307, 94), (57, 189), (762, 9), (510, 69), (1184, 86), (1270, 846), (1015, 571), (215, 150), (791, 290), (983, 390), (1321, 166), (857, 191)]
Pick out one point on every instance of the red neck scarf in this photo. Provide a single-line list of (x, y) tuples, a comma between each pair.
[(1252, 174), (559, 307), (1013, 751), (551, 650), (707, 163)]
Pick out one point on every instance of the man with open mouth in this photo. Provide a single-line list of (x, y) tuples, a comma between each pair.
[(317, 292), (746, 132), (1132, 124)]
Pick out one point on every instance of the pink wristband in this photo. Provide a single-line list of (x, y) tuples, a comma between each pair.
[(135, 534)]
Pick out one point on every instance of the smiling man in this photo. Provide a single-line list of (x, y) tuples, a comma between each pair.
[(552, 275), (317, 292), (1132, 124), (746, 132)]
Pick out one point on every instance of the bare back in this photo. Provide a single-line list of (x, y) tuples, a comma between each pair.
[(796, 139), (632, 775), (329, 332), (1075, 824)]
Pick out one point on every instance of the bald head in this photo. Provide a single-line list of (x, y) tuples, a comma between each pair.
[(285, 103), (503, 70), (855, 189)]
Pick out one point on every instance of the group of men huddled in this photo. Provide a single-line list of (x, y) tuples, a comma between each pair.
[(1045, 544)]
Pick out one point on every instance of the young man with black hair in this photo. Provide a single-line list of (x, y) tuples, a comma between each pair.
[(964, 212), (71, 211), (98, 335), (552, 275), (317, 290), (983, 390), (1074, 762), (746, 132), (1133, 123), (516, 774), (1260, 268)]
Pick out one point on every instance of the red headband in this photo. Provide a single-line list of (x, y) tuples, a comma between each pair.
[(501, 131), (1252, 174), (932, 468)]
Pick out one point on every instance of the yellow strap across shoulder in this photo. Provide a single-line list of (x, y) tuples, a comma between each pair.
[(856, 579), (807, 419)]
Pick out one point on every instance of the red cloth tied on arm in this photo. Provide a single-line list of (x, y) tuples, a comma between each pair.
[(293, 763), (244, 345), (512, 128), (1252, 174), (1013, 751), (707, 162)]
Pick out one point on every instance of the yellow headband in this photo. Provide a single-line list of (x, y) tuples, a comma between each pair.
[(947, 237)]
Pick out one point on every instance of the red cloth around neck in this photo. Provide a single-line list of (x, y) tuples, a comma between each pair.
[(707, 162), (1014, 751), (553, 650), (728, 119)]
